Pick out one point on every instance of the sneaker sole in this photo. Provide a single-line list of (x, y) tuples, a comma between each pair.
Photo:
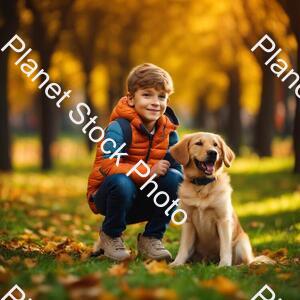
[(102, 252), (97, 253), (144, 256)]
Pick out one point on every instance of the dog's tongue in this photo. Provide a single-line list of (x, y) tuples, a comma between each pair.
[(209, 167)]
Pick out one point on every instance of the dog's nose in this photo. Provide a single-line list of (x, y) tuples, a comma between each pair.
[(212, 154)]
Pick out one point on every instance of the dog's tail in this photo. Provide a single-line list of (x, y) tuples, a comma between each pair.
[(262, 259), (244, 252)]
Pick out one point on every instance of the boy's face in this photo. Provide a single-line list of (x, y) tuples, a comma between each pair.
[(150, 104)]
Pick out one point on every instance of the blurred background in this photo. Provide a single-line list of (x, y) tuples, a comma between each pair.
[(89, 47)]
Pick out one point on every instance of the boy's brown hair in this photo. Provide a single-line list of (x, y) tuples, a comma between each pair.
[(148, 75)]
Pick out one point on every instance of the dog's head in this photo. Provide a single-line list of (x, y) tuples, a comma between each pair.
[(202, 154)]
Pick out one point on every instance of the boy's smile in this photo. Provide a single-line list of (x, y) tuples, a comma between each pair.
[(150, 104)]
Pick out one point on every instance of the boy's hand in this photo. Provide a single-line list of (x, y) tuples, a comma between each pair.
[(160, 168)]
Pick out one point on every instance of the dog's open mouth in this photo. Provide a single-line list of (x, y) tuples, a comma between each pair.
[(205, 166)]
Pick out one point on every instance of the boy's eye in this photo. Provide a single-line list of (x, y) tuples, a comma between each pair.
[(146, 95), (163, 97)]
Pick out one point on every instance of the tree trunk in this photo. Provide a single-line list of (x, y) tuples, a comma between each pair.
[(8, 28), (296, 133), (45, 46), (264, 126), (288, 122), (200, 118), (115, 91), (292, 9), (5, 141), (234, 123), (48, 121), (119, 74), (201, 112)]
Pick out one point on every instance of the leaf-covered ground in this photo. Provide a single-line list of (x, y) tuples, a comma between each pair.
[(47, 232)]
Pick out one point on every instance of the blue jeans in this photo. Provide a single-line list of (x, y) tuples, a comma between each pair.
[(123, 203)]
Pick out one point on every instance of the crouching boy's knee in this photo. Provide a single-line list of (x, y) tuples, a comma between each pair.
[(121, 186), (170, 182), (174, 175)]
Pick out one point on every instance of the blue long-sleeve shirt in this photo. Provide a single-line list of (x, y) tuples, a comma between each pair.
[(115, 132)]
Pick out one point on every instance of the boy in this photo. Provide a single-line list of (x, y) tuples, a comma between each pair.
[(115, 195)]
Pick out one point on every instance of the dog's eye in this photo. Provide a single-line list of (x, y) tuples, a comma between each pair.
[(215, 144), (199, 143)]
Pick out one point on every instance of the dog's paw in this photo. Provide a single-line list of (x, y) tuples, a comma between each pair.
[(175, 264), (224, 263)]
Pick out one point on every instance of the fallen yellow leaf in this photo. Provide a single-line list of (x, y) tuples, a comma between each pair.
[(4, 275), (284, 276), (155, 267), (258, 269), (141, 293), (86, 287), (50, 247), (118, 270), (38, 278), (65, 258), (30, 263), (224, 286), (13, 260)]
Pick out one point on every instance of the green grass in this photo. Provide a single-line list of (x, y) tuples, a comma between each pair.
[(266, 197)]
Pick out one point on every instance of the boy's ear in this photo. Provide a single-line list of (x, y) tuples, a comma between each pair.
[(130, 100)]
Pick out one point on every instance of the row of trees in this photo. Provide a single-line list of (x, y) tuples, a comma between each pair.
[(292, 9), (184, 36)]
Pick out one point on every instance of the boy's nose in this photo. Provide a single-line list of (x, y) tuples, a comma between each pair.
[(155, 103)]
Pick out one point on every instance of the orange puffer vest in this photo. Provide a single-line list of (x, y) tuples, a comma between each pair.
[(139, 148)]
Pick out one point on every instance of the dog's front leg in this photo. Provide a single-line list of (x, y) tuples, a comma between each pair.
[(187, 241), (225, 235)]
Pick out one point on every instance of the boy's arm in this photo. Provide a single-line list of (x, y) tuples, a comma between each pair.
[(173, 139), (108, 166)]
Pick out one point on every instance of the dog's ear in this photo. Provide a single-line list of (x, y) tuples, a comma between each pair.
[(180, 151), (228, 154)]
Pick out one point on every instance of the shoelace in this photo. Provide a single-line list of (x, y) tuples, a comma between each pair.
[(157, 244), (118, 243)]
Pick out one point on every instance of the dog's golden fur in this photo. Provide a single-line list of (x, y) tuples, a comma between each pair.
[(212, 231)]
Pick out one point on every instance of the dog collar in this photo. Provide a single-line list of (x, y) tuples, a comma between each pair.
[(202, 180)]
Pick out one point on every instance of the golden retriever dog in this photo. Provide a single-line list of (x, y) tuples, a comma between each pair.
[(212, 232)]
